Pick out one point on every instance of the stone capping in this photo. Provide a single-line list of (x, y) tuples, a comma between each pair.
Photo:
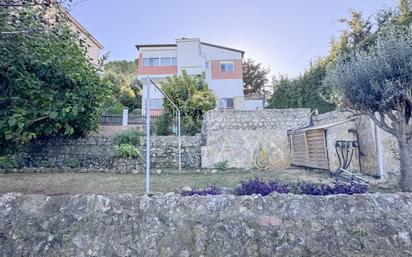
[(223, 225), (89, 140), (331, 117), (218, 120)]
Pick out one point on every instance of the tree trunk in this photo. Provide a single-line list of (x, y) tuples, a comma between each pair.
[(405, 151)]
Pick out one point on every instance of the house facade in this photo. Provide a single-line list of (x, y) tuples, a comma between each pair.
[(93, 46), (221, 65)]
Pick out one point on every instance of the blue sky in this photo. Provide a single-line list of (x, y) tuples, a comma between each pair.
[(282, 34)]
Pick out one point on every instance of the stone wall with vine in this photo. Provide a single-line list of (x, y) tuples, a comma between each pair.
[(240, 137)]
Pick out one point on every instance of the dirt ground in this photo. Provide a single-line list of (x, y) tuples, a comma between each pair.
[(101, 183), (168, 181)]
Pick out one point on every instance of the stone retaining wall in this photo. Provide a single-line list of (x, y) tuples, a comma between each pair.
[(218, 120), (224, 225), (235, 135), (165, 151), (96, 153)]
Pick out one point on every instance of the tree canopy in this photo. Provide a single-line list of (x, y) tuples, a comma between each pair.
[(122, 67), (307, 90), (255, 78), (48, 85), (302, 92), (192, 96), (376, 80), (125, 92)]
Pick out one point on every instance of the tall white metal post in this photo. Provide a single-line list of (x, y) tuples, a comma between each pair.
[(178, 121), (148, 81), (379, 152), (179, 142)]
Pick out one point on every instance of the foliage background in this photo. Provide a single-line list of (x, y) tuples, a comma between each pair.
[(48, 85), (192, 96), (125, 90), (307, 90), (255, 78)]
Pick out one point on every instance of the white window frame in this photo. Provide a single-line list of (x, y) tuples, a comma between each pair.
[(171, 62), (148, 59), (225, 106), (157, 103), (224, 63)]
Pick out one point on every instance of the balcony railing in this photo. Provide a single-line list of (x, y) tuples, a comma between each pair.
[(117, 120)]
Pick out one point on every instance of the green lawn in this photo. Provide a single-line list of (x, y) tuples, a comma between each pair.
[(100, 183)]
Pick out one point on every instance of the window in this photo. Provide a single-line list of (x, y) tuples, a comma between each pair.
[(226, 103), (168, 61), (150, 61), (164, 61), (156, 104), (227, 67)]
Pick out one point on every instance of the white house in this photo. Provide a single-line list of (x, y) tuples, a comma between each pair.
[(222, 66)]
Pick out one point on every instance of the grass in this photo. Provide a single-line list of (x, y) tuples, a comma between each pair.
[(101, 183)]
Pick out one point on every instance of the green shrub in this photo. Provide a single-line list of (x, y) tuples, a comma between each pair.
[(222, 165), (7, 163), (127, 151), (131, 137), (113, 108), (137, 112), (163, 124), (191, 126), (72, 163), (49, 87), (193, 98)]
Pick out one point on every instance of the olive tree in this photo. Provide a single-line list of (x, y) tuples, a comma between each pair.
[(378, 82)]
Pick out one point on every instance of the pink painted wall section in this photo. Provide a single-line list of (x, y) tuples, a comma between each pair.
[(156, 112), (217, 74), (155, 70)]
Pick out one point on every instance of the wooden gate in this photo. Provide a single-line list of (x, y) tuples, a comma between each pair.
[(309, 148)]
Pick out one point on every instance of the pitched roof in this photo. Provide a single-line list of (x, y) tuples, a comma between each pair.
[(138, 46), (224, 47), (155, 45), (81, 27)]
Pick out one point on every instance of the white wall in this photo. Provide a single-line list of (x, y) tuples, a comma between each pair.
[(226, 87), (192, 56), (188, 56), (154, 92), (156, 52), (253, 104), (215, 53), (223, 88)]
